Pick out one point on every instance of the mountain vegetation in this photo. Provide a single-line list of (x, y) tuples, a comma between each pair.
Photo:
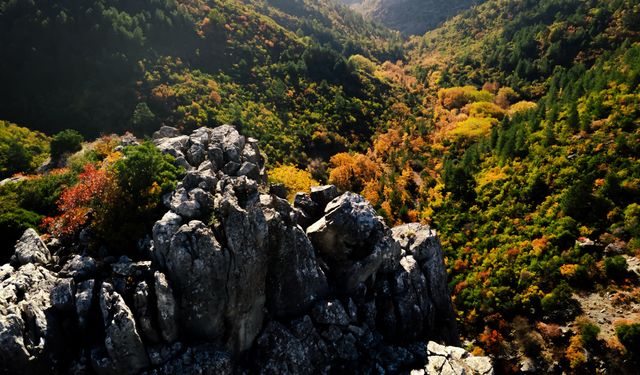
[(411, 17), (513, 129)]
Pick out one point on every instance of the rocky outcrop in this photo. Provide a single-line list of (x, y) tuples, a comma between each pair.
[(236, 279), (28, 324), (453, 360), (31, 249), (422, 246)]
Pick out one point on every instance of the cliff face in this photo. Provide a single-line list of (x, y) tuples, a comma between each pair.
[(234, 279), (411, 17)]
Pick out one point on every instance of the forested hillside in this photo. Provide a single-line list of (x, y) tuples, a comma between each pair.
[(106, 66), (513, 129), (411, 17), (524, 154)]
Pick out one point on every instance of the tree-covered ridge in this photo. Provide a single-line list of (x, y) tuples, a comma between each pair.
[(79, 65), (520, 42)]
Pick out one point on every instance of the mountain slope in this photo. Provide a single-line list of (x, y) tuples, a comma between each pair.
[(108, 65), (519, 43), (411, 17)]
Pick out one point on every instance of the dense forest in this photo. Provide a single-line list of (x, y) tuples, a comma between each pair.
[(513, 129)]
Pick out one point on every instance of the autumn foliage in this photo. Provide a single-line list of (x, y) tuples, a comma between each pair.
[(93, 196)]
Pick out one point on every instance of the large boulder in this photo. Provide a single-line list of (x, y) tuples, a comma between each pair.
[(294, 279), (166, 132), (453, 360), (245, 229), (166, 307), (198, 267), (404, 310), (353, 240), (79, 267), (422, 243), (163, 231), (125, 352), (29, 330), (31, 249)]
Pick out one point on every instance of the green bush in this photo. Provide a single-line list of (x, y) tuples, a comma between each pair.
[(143, 176), (629, 336), (615, 267), (21, 150), (66, 142), (588, 333), (559, 299), (13, 222)]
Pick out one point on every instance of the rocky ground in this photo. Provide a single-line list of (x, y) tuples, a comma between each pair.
[(233, 279), (608, 307)]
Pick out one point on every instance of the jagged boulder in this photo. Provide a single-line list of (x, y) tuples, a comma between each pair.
[(294, 278), (353, 240), (84, 300), (197, 266), (245, 236), (29, 332), (142, 309), (79, 267), (31, 249), (166, 132), (322, 195), (124, 352), (453, 360), (166, 307), (163, 231), (422, 243), (404, 310)]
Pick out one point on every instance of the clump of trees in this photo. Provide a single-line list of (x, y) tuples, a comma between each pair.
[(21, 150), (118, 199), (66, 142)]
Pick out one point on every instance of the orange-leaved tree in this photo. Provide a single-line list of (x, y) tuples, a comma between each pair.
[(93, 196)]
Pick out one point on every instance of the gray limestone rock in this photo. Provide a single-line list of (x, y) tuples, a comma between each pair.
[(350, 237), (163, 231), (167, 308), (322, 195), (198, 269), (27, 323), (31, 249), (142, 309), (84, 300), (63, 294), (294, 279), (166, 132), (250, 170), (79, 267), (423, 244), (453, 360), (246, 238), (125, 352), (174, 146)]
